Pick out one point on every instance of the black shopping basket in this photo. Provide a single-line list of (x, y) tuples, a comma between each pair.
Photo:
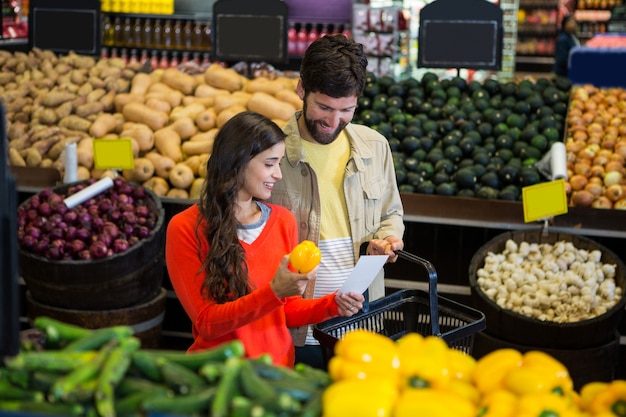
[(409, 311)]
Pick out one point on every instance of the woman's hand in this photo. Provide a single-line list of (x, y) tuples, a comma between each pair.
[(385, 246), (349, 303), (287, 283)]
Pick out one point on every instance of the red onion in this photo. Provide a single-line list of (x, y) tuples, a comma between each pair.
[(108, 223)]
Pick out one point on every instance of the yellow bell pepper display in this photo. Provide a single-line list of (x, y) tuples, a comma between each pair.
[(604, 399), (305, 256), (422, 376)]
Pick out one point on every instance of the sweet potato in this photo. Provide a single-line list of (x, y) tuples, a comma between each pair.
[(84, 152), (168, 143), (139, 112), (270, 106), (140, 83)]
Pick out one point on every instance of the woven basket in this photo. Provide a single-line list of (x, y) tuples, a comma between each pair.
[(517, 328)]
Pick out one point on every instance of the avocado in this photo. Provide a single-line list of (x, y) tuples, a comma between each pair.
[(411, 164), (466, 192), (487, 192), (529, 176), (509, 174), (490, 179), (395, 144), (425, 187), (410, 144), (446, 188), (425, 169), (510, 192), (445, 165), (465, 178), (406, 189), (412, 104)]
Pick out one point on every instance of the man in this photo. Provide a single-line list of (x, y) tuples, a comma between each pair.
[(338, 177)]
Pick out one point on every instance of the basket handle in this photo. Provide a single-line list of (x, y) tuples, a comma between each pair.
[(432, 287)]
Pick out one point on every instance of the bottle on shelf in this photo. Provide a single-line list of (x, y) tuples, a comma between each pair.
[(292, 36), (302, 40), (196, 37), (117, 31), (146, 33), (206, 36), (177, 35), (312, 35), (168, 35), (138, 33), (187, 35), (164, 62), (174, 61), (154, 60), (107, 31), (127, 32), (157, 34)]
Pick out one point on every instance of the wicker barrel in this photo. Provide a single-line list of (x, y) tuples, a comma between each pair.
[(121, 280), (513, 327), (145, 318)]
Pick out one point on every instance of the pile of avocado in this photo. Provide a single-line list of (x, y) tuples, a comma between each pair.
[(466, 138)]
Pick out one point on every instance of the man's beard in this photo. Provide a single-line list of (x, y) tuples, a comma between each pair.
[(321, 138)]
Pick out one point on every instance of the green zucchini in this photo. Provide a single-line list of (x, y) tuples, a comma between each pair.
[(97, 338), (255, 387), (320, 377), (240, 406), (112, 371), (178, 377), (212, 371), (195, 359), (271, 371), (50, 360), (42, 407), (82, 392), (64, 385), (146, 363), (313, 406), (301, 390), (132, 385), (195, 402), (58, 332), (9, 392), (226, 387)]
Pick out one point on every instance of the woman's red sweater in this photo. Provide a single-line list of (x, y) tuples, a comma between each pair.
[(260, 319)]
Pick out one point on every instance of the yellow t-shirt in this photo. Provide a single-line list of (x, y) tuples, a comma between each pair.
[(329, 163)]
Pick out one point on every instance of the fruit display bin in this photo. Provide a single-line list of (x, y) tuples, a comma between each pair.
[(407, 311)]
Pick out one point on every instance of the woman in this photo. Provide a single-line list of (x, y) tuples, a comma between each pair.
[(565, 41), (228, 255)]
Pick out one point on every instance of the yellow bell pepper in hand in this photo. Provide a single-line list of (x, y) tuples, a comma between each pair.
[(305, 256), (363, 398)]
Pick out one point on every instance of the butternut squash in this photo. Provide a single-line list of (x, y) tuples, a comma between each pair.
[(141, 172), (181, 176), (206, 119), (139, 112), (162, 164), (270, 106), (217, 76), (168, 143), (229, 112), (179, 80)]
